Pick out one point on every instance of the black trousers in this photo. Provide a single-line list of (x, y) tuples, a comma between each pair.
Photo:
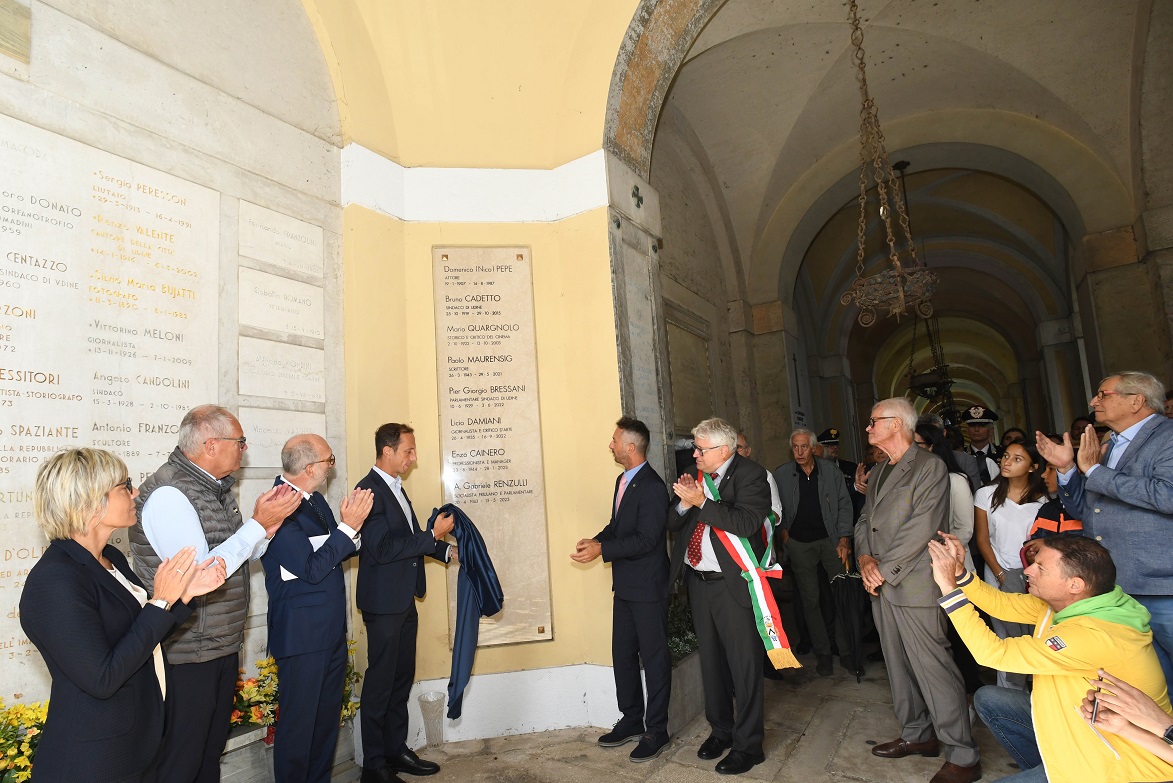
[(197, 711), (639, 632), (310, 698), (731, 663), (387, 684)]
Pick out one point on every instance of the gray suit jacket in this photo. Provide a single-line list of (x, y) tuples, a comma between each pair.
[(1129, 509), (834, 502), (899, 520)]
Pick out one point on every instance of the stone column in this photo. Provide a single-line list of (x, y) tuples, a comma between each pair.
[(1061, 374), (640, 335), (1119, 285)]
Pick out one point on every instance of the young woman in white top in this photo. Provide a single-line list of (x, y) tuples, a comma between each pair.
[(1004, 512)]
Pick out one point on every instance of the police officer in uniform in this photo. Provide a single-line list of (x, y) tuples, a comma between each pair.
[(979, 421)]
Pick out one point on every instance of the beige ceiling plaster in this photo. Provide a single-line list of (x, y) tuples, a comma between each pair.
[(1099, 196)]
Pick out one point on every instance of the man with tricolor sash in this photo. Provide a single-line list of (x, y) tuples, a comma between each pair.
[(717, 516)]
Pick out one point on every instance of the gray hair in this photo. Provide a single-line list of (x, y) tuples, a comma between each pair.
[(71, 487), (899, 408), (719, 431), (298, 453), (201, 423), (811, 437), (930, 420), (1136, 382)]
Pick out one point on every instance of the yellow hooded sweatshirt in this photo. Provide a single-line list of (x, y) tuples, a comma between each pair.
[(1109, 631)]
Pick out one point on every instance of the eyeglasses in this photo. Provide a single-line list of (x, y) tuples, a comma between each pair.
[(241, 442), (874, 419), (331, 459), (704, 451), (1102, 393), (128, 484)]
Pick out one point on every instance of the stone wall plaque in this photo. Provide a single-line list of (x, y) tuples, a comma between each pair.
[(109, 321), (281, 305), (279, 239), (281, 370), (490, 426), (268, 429), (692, 390)]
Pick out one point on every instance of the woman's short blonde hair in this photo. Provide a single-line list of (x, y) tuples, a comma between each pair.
[(71, 488)]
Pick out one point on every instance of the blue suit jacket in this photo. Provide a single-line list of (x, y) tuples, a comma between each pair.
[(1129, 509), (307, 614), (105, 718), (391, 563)]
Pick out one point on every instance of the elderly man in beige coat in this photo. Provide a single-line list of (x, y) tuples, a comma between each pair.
[(907, 504)]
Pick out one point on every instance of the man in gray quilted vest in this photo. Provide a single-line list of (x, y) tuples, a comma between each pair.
[(187, 502)]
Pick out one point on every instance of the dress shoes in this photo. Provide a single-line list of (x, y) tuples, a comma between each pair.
[(952, 773), (380, 775), (738, 761), (770, 673), (650, 746), (899, 748), (621, 734), (713, 747), (824, 666), (876, 657), (412, 764)]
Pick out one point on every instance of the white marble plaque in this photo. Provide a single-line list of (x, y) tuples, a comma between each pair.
[(281, 305), (279, 239), (282, 370), (490, 426), (267, 431), (108, 331)]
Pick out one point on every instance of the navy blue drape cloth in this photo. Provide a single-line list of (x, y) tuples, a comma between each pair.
[(478, 594)]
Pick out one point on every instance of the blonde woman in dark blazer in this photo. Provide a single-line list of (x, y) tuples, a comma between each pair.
[(97, 627)]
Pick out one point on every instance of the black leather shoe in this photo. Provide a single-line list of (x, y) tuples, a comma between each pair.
[(412, 764), (713, 747), (380, 775), (738, 761), (770, 673), (900, 747), (823, 665)]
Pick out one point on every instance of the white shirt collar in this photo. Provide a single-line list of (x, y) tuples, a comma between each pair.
[(395, 482), (304, 494)]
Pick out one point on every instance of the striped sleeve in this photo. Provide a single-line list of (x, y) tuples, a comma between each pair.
[(956, 599)]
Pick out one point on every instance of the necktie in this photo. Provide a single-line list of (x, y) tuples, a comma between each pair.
[(622, 487), (698, 533)]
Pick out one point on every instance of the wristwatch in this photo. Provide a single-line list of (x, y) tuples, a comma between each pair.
[(1169, 735), (159, 602)]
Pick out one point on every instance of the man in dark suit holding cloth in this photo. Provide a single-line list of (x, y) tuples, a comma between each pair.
[(635, 543), (390, 578), (307, 612), (730, 647)]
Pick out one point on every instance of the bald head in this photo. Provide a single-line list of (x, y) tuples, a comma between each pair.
[(305, 461)]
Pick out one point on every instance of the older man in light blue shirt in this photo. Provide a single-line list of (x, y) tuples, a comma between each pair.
[(1123, 493)]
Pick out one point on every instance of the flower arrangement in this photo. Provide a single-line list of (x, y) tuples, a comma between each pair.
[(256, 697), (20, 731)]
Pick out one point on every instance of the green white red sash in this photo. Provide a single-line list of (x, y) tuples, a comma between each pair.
[(761, 598)]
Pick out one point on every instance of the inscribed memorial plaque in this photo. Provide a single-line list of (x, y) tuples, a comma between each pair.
[(108, 331), (490, 426), (279, 239), (268, 429), (282, 370), (281, 305)]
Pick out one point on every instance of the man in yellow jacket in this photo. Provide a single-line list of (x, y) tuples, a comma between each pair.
[(1083, 622)]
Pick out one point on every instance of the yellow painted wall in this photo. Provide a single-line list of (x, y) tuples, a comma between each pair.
[(508, 84), (389, 332)]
